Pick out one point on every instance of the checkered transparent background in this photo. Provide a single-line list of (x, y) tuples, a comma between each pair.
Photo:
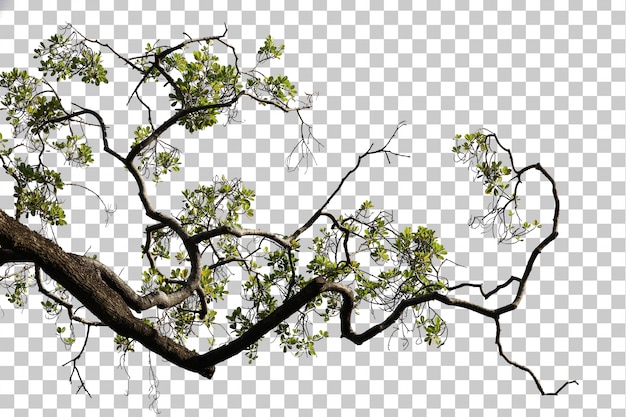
[(547, 77)]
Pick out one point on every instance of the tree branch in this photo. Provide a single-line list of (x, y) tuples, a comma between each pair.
[(83, 281), (525, 368), (68, 306), (229, 230), (286, 310), (138, 302), (174, 119), (482, 287), (370, 151)]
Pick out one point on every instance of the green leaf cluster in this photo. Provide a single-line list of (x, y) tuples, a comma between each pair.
[(292, 339), (28, 110), (213, 286), (270, 50), (477, 146), (34, 114), (158, 158), (17, 290), (434, 328), (75, 152), (35, 191), (123, 344), (63, 56), (153, 280), (67, 340), (202, 83), (268, 282), (219, 204), (408, 262), (408, 259), (279, 87), (477, 150)]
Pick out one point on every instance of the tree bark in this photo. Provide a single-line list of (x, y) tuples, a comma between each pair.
[(83, 280)]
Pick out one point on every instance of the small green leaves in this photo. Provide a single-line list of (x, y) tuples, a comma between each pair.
[(406, 261), (529, 226), (203, 84), (28, 109), (35, 192), (50, 307), (123, 344), (220, 204), (17, 291), (477, 150), (292, 339), (213, 286), (152, 160), (280, 87), (75, 153), (434, 328), (67, 340), (154, 280), (366, 205), (269, 50), (63, 56), (141, 133), (165, 162)]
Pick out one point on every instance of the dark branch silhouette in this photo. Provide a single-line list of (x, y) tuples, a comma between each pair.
[(208, 230)]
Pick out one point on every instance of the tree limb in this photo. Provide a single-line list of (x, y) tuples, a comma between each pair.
[(286, 310)]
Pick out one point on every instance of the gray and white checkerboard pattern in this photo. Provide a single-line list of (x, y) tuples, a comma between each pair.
[(547, 77)]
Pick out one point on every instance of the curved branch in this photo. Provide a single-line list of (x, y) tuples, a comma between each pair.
[(101, 124), (174, 119), (256, 332), (155, 65), (345, 312), (229, 230), (359, 338), (539, 248), (158, 298), (525, 368), (370, 151), (82, 280), (138, 302)]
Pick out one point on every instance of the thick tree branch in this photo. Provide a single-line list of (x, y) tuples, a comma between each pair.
[(84, 282), (158, 298), (8, 256), (411, 256), (138, 302), (261, 328), (68, 306)]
